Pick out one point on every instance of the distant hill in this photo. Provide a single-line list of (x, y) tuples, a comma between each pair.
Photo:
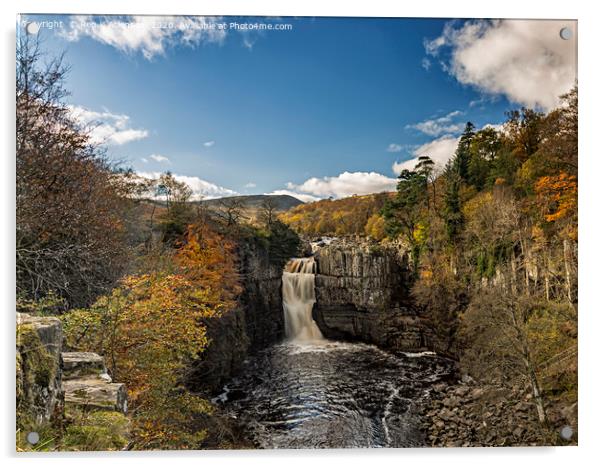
[(354, 215), (282, 201)]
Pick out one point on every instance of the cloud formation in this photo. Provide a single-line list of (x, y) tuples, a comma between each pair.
[(345, 184), (201, 189), (439, 150), (149, 35), (209, 143), (394, 148), (159, 158), (106, 127), (439, 126), (250, 184), (524, 60)]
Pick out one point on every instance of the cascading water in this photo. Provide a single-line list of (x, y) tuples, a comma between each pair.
[(298, 298)]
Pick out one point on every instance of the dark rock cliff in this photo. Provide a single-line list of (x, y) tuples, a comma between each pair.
[(362, 294), (255, 324)]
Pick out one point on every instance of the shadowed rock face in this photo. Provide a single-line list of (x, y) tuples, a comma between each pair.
[(362, 294), (255, 324)]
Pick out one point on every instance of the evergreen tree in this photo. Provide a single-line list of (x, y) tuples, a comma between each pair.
[(452, 212), (461, 160)]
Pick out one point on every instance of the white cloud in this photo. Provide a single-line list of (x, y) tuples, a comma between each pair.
[(526, 60), (145, 160), (159, 158), (345, 184), (394, 148), (426, 63), (201, 189), (209, 143), (106, 127), (149, 35), (439, 126), (250, 185), (439, 150), (301, 197)]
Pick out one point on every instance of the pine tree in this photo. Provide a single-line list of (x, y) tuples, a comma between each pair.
[(461, 160)]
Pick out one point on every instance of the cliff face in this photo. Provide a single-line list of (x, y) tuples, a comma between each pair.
[(255, 324), (362, 294)]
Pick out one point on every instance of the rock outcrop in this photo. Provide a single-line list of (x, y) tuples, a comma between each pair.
[(362, 294), (87, 385), (39, 341), (48, 380)]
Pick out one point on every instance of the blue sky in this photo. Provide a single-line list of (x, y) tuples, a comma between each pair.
[(330, 107)]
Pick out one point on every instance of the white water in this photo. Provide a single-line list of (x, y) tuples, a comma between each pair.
[(298, 298)]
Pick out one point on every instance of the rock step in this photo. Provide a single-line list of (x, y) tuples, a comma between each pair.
[(77, 365), (95, 392), (86, 383)]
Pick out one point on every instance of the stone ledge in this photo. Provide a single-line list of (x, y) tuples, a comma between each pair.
[(95, 392), (76, 365)]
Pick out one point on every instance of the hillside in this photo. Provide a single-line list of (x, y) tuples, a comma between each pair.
[(354, 215), (281, 202)]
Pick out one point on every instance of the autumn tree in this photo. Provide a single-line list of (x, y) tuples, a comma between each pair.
[(179, 213), (69, 203), (152, 327), (267, 212), (231, 210)]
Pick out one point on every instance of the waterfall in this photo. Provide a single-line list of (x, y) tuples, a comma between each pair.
[(298, 298)]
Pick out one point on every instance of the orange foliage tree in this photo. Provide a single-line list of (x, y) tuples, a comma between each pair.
[(149, 329)]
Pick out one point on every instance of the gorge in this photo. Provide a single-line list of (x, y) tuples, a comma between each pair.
[(327, 384)]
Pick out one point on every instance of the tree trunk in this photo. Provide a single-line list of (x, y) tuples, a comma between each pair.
[(567, 270), (529, 370), (536, 391)]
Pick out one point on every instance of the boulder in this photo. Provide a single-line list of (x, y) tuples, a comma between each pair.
[(94, 392)]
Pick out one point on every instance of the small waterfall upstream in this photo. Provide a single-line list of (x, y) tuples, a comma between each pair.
[(298, 297)]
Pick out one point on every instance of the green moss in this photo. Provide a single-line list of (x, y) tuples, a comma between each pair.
[(36, 366), (95, 431)]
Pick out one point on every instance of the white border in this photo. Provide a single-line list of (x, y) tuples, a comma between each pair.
[(590, 260)]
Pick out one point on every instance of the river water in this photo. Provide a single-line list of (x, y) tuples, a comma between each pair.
[(332, 395), (309, 392)]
